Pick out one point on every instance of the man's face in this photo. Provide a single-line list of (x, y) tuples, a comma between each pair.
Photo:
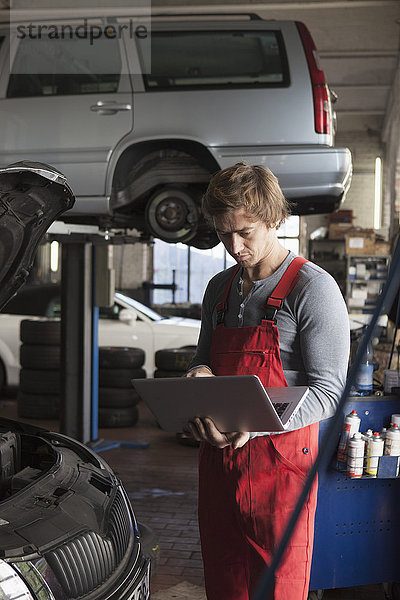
[(248, 240)]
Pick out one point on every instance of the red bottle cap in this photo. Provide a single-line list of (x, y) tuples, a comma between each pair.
[(376, 433)]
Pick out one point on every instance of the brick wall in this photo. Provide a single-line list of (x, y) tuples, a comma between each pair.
[(365, 147)]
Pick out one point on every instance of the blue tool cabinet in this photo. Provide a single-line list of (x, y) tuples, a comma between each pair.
[(357, 526)]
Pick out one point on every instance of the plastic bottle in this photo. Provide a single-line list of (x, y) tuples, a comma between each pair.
[(373, 451), (364, 377), (351, 425), (355, 456)]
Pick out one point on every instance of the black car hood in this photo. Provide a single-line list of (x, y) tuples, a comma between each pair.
[(51, 489), (32, 196)]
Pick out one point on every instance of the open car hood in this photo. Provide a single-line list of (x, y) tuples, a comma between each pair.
[(32, 196)]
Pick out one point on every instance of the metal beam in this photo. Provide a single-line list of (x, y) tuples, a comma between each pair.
[(76, 340), (360, 112), (358, 54), (360, 86)]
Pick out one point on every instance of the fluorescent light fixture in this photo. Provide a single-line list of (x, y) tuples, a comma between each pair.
[(54, 251), (378, 194)]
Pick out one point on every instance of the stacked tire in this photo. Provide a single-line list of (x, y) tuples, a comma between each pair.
[(39, 394), (117, 397), (173, 362)]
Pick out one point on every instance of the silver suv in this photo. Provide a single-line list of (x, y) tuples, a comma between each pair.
[(138, 113)]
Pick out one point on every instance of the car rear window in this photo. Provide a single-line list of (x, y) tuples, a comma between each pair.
[(44, 67), (216, 59)]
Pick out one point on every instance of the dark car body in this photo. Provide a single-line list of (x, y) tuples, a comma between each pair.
[(67, 528)]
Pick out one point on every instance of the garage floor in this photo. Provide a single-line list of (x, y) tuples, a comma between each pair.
[(161, 482)]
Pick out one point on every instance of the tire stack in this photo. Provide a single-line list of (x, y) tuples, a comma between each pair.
[(117, 398), (39, 395), (39, 380), (173, 362)]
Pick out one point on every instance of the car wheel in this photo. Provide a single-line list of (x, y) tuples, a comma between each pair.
[(111, 357), (118, 417), (39, 357), (36, 406), (39, 382), (117, 397), (41, 331), (173, 359), (119, 378), (172, 214)]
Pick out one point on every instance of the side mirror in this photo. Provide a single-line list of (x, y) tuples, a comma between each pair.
[(127, 316)]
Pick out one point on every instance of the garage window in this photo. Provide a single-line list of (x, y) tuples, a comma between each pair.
[(44, 67), (182, 60), (289, 233), (193, 268)]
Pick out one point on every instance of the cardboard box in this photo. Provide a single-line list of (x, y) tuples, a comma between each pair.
[(341, 216), (382, 248), (360, 241), (337, 231)]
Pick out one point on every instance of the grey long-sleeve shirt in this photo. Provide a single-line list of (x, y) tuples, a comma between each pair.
[(314, 334)]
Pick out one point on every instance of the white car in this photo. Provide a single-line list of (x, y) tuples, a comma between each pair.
[(127, 323)]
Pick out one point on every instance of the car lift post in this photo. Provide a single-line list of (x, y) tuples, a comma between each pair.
[(79, 343)]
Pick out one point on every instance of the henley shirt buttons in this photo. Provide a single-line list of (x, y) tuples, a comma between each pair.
[(306, 451)]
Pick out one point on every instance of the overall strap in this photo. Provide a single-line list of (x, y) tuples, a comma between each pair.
[(222, 306), (283, 289)]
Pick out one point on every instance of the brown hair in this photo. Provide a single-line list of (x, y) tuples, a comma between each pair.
[(252, 187)]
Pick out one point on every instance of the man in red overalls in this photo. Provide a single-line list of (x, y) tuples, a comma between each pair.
[(249, 482)]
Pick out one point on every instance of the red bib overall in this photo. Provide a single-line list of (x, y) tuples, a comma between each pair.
[(247, 495)]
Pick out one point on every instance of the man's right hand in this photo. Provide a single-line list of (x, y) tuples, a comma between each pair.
[(200, 372)]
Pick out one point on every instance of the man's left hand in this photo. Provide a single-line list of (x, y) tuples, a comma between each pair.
[(204, 430)]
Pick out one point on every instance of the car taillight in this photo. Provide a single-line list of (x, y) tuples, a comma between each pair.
[(322, 102)]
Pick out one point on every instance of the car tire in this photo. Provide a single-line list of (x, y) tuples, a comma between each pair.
[(40, 357), (173, 359), (119, 378), (40, 331), (161, 373), (37, 381), (111, 357), (117, 397), (118, 417), (37, 406)]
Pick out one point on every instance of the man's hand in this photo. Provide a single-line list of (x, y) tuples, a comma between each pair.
[(200, 372), (204, 430)]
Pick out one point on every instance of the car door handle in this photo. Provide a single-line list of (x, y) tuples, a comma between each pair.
[(109, 108)]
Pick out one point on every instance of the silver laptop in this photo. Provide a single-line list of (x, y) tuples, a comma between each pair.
[(235, 403)]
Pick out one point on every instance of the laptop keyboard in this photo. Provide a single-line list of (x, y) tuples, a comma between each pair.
[(280, 407)]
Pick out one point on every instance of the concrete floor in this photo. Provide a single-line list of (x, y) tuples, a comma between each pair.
[(162, 484)]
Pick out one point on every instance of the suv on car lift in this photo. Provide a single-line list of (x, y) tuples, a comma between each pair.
[(67, 528), (138, 112)]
